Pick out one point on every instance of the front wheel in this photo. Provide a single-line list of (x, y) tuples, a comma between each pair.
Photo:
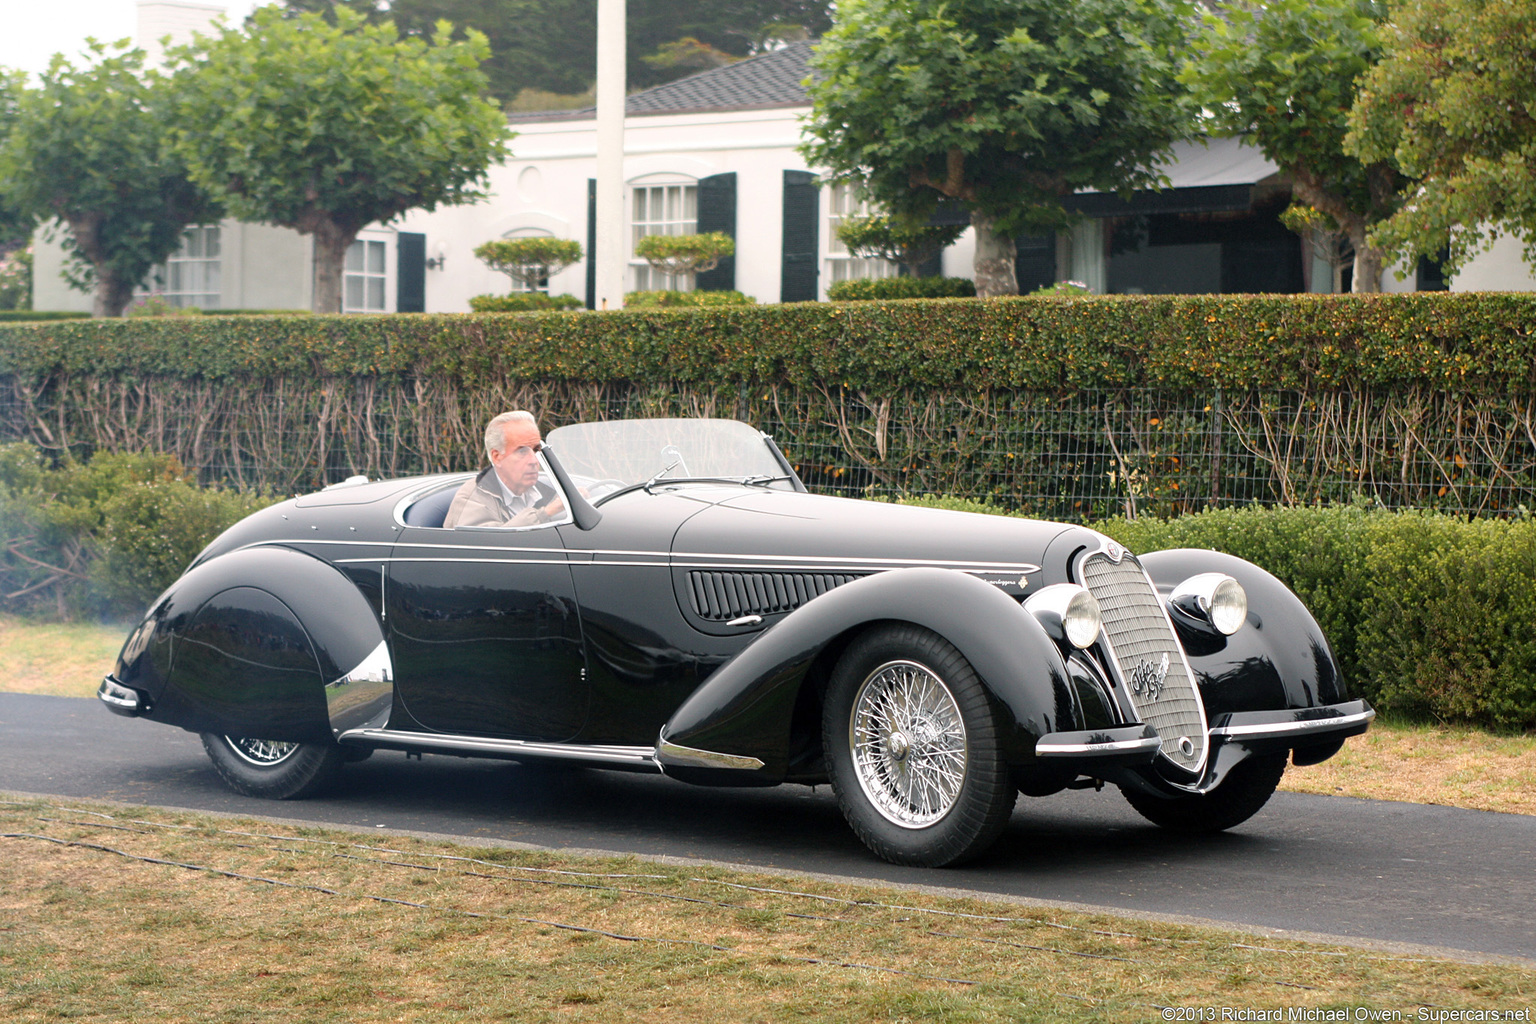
[(911, 741), (1247, 787), (270, 768)]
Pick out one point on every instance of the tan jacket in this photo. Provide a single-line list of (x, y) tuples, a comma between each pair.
[(480, 502)]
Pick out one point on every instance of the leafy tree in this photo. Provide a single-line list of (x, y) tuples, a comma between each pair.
[(1009, 106), (1283, 73), (1451, 103), (15, 226), (551, 45), (89, 147), (685, 254), (328, 128), (531, 261), (883, 237)]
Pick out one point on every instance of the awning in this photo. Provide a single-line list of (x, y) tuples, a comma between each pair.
[(1204, 175)]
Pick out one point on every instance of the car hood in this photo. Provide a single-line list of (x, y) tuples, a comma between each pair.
[(767, 529)]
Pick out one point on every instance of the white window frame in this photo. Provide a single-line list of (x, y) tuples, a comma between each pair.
[(368, 285), (192, 276), (679, 215), (843, 202)]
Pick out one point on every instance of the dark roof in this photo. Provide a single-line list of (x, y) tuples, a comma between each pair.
[(766, 81)]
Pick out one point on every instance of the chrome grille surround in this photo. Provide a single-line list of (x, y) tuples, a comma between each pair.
[(1145, 655)]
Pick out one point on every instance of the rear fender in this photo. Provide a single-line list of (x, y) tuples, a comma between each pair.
[(742, 713), (265, 642)]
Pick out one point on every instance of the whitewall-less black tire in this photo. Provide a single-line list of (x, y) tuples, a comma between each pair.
[(270, 769), (1238, 797), (910, 736)]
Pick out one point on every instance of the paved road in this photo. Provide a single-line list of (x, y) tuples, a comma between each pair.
[(1368, 869)]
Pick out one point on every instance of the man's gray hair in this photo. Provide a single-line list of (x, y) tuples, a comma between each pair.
[(496, 430)]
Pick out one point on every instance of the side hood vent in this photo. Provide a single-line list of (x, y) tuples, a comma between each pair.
[(722, 596)]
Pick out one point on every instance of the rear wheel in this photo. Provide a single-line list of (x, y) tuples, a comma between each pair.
[(270, 768), (1247, 787), (911, 742)]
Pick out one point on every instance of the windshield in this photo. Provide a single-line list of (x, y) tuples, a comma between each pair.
[(624, 453)]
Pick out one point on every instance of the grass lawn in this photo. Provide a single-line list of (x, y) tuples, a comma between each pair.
[(112, 914), (1454, 766)]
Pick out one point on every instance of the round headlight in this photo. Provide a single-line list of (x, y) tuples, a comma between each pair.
[(1213, 599), (1229, 606), (1082, 621), (1068, 612)]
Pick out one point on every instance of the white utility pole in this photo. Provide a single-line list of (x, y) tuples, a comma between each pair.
[(611, 254)]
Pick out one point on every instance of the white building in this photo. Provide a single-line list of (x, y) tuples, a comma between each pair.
[(717, 152)]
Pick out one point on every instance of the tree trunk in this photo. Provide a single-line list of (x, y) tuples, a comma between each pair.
[(1368, 268), (112, 293), (331, 244), (995, 259)]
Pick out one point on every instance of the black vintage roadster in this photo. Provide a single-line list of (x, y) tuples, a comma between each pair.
[(694, 611)]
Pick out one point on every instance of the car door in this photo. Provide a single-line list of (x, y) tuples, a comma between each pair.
[(485, 632)]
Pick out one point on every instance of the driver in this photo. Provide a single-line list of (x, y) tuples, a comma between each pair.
[(508, 492)]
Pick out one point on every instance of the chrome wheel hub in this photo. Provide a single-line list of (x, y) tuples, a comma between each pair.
[(908, 744), (261, 753)]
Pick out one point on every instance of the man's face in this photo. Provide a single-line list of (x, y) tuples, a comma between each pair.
[(517, 464)]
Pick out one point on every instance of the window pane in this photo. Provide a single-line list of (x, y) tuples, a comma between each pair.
[(375, 257), (354, 292), (355, 257), (211, 242), (375, 293)]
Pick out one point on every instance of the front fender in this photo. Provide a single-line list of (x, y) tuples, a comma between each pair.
[(1278, 660), (743, 712), (266, 642)]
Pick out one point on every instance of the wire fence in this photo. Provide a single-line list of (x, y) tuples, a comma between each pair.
[(1074, 455)]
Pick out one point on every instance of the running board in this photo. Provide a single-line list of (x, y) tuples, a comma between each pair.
[(635, 758)]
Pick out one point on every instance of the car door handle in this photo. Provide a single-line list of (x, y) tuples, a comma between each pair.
[(746, 620)]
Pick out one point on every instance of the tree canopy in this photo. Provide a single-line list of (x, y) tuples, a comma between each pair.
[(1008, 106), (551, 45), (1283, 73), (1453, 103), (15, 226), (326, 128), (88, 146)]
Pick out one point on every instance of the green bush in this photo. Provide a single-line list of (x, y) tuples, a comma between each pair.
[(102, 536), (523, 302), (680, 300), (868, 288)]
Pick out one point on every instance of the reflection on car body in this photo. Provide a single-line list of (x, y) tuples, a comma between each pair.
[(702, 615)]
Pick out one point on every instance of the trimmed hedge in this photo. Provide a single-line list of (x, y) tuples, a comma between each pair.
[(1430, 615), (523, 302), (32, 315), (1468, 343), (870, 288)]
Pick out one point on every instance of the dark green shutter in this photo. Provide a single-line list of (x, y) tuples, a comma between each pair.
[(410, 272), (801, 255), (717, 212), (1035, 264), (591, 243)]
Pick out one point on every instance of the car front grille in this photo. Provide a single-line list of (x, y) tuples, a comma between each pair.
[(722, 596), (1147, 656)]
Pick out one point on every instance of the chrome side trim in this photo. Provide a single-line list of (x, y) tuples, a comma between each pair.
[(668, 752), (1150, 745), (121, 699), (1303, 727), (364, 694), (486, 746)]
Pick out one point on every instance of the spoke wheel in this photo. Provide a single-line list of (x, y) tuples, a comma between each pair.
[(275, 769), (910, 737), (908, 743)]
